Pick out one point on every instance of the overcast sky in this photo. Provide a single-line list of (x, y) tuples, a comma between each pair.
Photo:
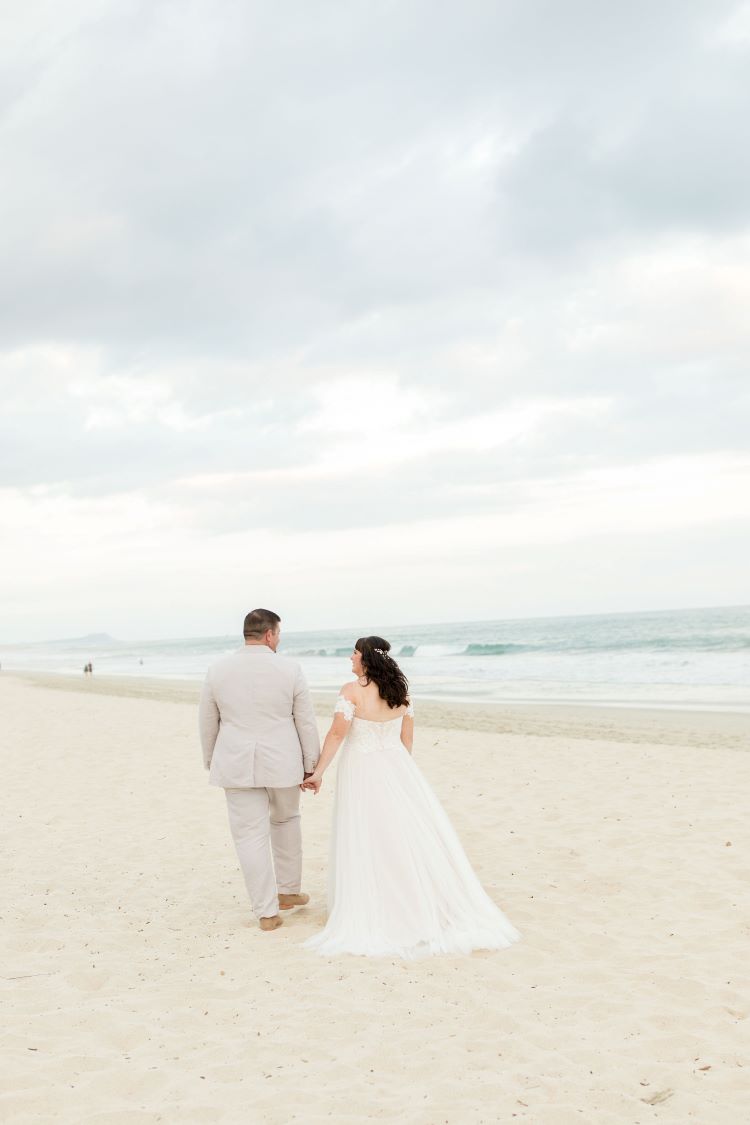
[(371, 312)]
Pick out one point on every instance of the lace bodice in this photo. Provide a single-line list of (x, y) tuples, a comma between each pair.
[(368, 735)]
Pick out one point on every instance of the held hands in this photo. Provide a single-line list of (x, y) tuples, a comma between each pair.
[(313, 782)]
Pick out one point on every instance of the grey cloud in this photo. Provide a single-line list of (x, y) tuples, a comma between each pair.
[(46, 440), (680, 169), (245, 205), (467, 482), (222, 181)]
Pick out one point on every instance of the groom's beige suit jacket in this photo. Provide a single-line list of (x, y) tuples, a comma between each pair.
[(257, 723)]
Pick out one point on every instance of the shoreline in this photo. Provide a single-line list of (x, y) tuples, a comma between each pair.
[(615, 722)]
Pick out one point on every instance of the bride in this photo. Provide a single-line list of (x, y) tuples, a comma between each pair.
[(399, 882)]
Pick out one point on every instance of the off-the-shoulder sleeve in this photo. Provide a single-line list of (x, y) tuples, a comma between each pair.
[(344, 707), (410, 710)]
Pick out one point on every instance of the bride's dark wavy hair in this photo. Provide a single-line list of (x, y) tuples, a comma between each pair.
[(380, 668)]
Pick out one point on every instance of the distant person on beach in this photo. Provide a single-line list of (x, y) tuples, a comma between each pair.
[(260, 741), (399, 881)]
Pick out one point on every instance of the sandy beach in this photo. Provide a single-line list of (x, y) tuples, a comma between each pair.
[(137, 987)]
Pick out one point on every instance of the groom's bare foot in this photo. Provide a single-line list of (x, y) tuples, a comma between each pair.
[(272, 923), (286, 902)]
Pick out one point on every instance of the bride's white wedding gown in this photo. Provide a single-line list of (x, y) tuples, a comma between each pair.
[(399, 882)]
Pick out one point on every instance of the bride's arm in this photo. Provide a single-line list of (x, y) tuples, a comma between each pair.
[(338, 731), (407, 731)]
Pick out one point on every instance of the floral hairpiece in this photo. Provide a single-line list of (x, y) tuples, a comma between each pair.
[(382, 651)]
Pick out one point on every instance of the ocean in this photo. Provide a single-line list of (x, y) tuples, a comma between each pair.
[(692, 658)]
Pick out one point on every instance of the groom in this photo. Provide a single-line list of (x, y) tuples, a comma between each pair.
[(260, 740)]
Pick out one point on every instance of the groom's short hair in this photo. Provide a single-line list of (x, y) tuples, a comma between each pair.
[(259, 621)]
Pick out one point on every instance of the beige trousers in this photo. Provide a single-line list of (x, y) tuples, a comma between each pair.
[(266, 823)]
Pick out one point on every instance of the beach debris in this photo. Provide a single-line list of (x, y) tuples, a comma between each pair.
[(658, 1097), (27, 976)]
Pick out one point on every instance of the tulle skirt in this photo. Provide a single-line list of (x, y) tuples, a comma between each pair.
[(399, 882)]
